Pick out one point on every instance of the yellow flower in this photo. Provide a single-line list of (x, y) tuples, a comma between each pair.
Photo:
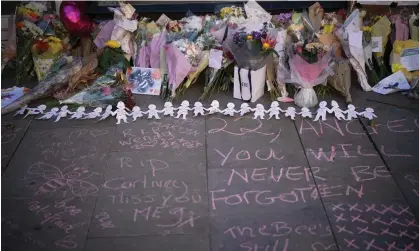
[(328, 28), (249, 37), (55, 48), (366, 28), (266, 46), (112, 44), (224, 11), (54, 39)]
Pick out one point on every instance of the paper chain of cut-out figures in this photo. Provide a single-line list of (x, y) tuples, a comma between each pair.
[(122, 113)]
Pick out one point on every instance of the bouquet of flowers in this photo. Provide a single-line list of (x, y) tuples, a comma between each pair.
[(182, 58), (26, 30), (58, 77), (251, 49), (143, 36), (310, 62), (112, 54), (45, 52), (232, 14), (355, 55), (108, 89)]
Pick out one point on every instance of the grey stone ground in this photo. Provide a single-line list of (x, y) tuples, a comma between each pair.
[(214, 183)]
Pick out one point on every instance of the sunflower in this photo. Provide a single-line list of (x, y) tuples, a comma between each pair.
[(112, 44)]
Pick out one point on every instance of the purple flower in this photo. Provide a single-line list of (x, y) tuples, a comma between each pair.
[(256, 35), (283, 17)]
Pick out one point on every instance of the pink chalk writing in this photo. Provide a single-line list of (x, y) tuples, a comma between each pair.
[(185, 217), (67, 242), (244, 155), (278, 229), (294, 173)]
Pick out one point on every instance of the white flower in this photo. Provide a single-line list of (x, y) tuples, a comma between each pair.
[(35, 30), (35, 6)]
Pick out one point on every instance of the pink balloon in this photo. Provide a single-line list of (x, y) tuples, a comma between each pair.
[(74, 20)]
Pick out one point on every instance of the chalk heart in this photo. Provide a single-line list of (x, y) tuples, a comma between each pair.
[(320, 246), (96, 133)]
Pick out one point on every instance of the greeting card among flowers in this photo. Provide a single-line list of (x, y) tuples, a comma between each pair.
[(144, 80)]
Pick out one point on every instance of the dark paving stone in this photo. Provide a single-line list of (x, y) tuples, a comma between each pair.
[(374, 226), (352, 177), (12, 133), (67, 161), (243, 141), (306, 229), (149, 243), (152, 193), (409, 183), (168, 134), (55, 223), (395, 99), (395, 133)]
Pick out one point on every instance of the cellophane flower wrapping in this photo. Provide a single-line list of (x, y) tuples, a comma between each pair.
[(108, 89), (178, 67), (355, 55), (58, 77), (305, 76), (248, 54), (27, 17), (44, 52), (147, 32)]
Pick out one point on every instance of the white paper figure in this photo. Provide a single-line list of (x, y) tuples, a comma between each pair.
[(290, 112), (169, 109), (63, 113), (321, 112), (107, 113), (183, 109), (259, 111), (215, 107), (21, 111), (337, 111), (305, 113), (369, 113), (52, 113), (79, 113), (198, 109), (121, 112), (35, 111), (136, 113), (352, 114), (94, 114), (244, 108), (152, 112), (229, 110), (275, 110)]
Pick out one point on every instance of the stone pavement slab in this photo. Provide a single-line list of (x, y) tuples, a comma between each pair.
[(150, 243), (152, 193), (304, 229), (396, 133), (11, 135)]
